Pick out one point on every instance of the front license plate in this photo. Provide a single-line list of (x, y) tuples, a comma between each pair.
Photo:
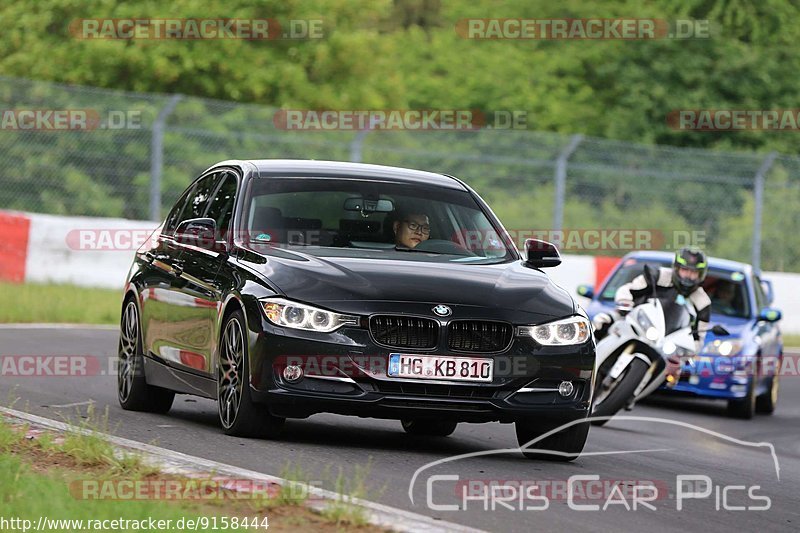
[(403, 365)]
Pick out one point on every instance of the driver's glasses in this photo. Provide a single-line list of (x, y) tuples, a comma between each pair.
[(425, 229)]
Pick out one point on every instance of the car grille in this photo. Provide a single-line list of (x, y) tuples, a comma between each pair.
[(404, 332), (478, 336)]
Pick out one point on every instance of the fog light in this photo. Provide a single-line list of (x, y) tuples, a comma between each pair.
[(566, 388), (292, 373)]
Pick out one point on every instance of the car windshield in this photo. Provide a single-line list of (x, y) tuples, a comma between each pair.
[(339, 217), (727, 290)]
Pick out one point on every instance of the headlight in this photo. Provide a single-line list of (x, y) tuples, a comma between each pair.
[(723, 348), (573, 330), (288, 314), (643, 320)]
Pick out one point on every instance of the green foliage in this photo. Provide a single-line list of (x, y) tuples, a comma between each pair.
[(406, 54)]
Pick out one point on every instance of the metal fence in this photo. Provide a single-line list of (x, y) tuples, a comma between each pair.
[(140, 151)]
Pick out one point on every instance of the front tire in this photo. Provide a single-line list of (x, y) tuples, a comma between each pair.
[(239, 416), (133, 392), (567, 441), (746, 407), (622, 392), (767, 402), (429, 428)]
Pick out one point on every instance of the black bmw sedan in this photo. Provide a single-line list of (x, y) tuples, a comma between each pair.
[(287, 288)]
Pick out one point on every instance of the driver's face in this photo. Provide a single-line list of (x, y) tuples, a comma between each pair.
[(410, 238), (688, 273)]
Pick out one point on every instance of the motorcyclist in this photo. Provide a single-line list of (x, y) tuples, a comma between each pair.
[(685, 278), (689, 269)]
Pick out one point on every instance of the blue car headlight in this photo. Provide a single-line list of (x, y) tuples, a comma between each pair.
[(724, 348)]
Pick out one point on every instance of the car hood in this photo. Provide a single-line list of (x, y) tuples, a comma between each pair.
[(348, 284)]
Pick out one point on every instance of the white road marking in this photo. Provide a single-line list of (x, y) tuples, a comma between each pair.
[(76, 404)]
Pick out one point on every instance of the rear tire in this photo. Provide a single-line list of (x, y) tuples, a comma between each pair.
[(429, 428), (133, 392), (618, 397), (569, 441), (238, 415), (767, 402)]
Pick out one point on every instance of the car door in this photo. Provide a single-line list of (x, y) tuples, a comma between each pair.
[(160, 266), (768, 331), (201, 287), (180, 310)]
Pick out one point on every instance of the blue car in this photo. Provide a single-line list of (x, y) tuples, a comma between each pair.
[(741, 367)]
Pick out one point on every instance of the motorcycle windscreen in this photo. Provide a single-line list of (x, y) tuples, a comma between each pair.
[(676, 312)]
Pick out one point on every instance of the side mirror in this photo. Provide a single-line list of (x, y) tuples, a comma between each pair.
[(200, 232), (720, 331), (586, 291), (769, 314), (541, 254)]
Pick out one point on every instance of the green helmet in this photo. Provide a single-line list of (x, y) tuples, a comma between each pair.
[(691, 259)]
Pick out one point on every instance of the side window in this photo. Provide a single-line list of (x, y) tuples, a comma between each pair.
[(174, 215), (196, 208), (193, 203), (221, 206)]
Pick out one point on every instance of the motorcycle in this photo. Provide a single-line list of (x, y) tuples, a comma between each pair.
[(642, 350)]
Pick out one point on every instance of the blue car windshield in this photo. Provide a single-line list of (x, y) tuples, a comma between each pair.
[(727, 290), (371, 219)]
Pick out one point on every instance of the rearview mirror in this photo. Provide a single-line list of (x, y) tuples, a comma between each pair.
[(769, 314), (200, 232), (367, 205), (541, 254), (586, 291)]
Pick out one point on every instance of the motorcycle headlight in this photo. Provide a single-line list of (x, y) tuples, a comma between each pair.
[(572, 330), (288, 314), (643, 320), (723, 348)]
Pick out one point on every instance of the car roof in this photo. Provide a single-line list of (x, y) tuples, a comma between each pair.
[(309, 167), (713, 262)]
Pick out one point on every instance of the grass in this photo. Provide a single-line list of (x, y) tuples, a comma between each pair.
[(39, 478), (33, 303), (791, 341)]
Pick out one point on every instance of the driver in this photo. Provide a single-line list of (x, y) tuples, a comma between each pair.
[(410, 229), (689, 269)]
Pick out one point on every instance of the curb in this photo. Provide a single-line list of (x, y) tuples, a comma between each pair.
[(172, 462)]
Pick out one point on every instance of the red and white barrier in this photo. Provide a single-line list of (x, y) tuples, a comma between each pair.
[(97, 252)]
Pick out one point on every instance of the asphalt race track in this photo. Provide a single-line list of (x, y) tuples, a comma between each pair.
[(665, 451)]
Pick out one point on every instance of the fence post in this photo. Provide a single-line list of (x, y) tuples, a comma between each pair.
[(561, 181), (157, 156), (758, 197), (357, 146)]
